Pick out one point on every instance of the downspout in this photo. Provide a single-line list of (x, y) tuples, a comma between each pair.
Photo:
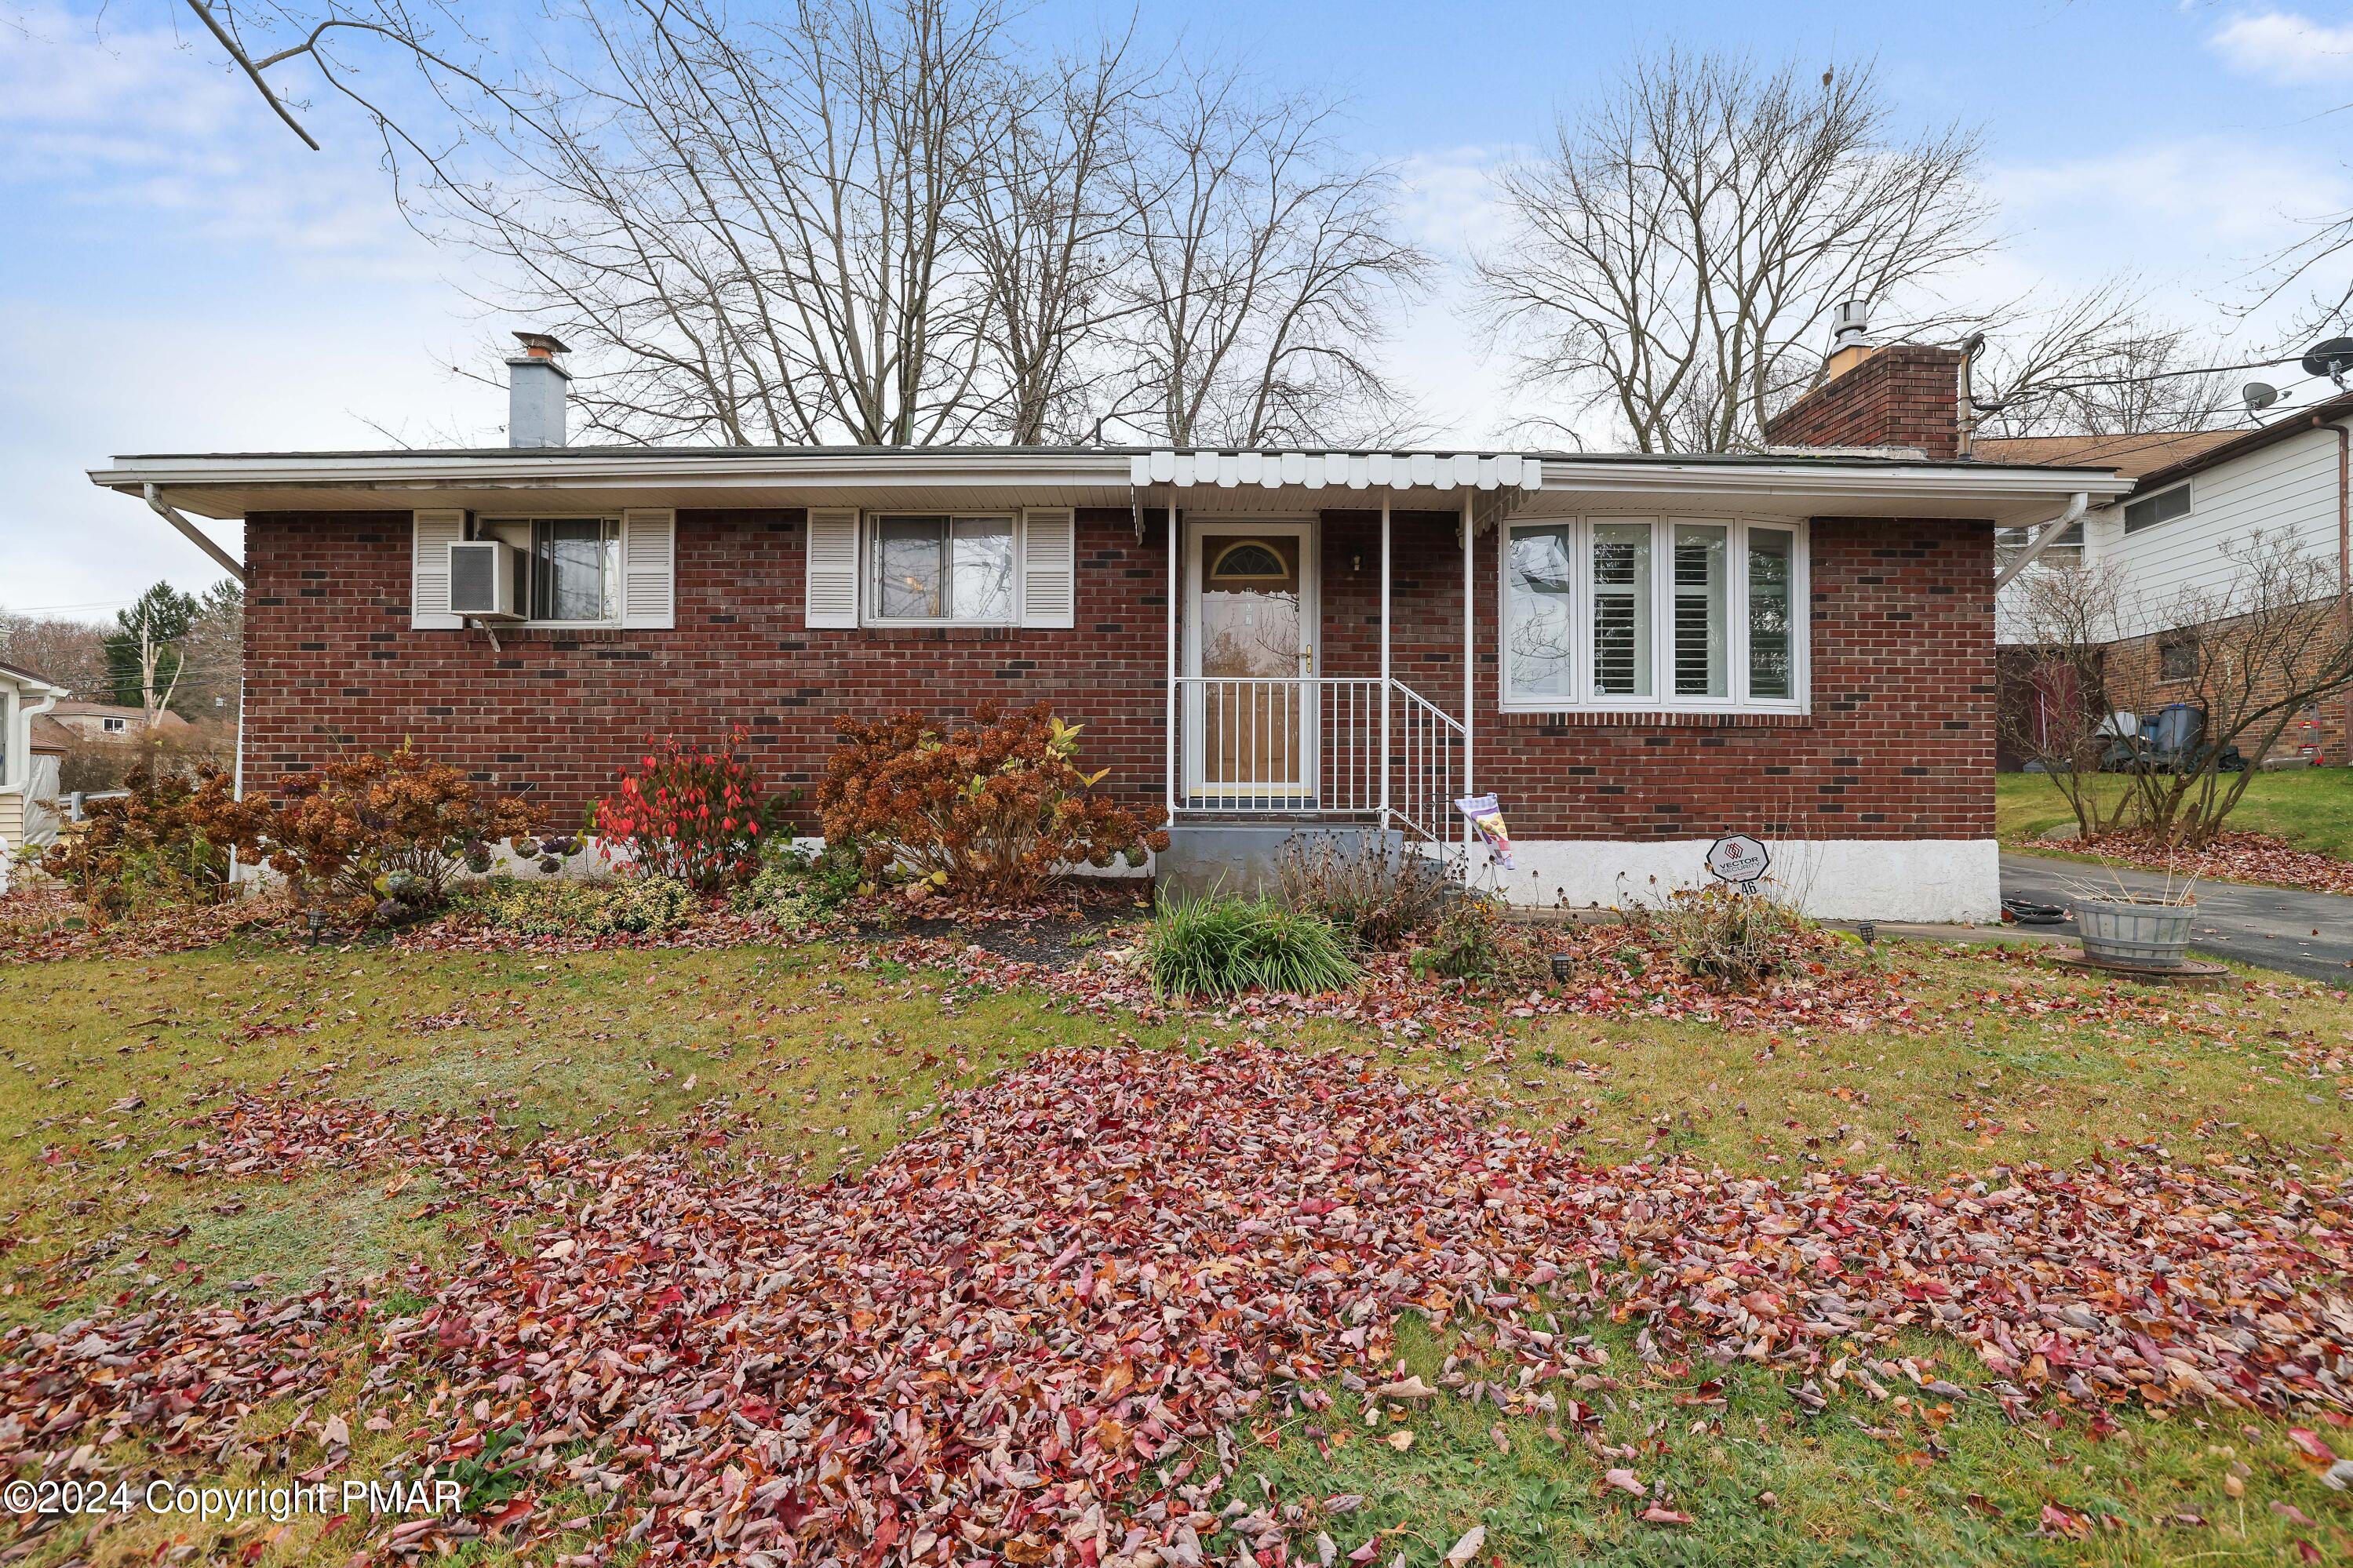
[(1966, 426), (16, 743), (2345, 559), (2045, 538), (194, 534)]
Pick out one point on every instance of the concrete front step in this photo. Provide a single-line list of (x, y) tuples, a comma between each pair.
[(1238, 857)]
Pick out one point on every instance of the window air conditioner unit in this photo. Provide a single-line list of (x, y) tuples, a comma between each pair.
[(483, 581)]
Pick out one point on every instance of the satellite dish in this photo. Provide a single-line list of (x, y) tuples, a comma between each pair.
[(2331, 359), (2259, 396)]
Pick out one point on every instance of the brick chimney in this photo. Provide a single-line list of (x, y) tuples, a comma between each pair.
[(536, 393), (1905, 395)]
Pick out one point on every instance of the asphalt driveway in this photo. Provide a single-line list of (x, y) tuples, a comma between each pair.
[(2310, 934)]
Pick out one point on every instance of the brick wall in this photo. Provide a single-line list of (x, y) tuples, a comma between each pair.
[(2134, 680), (1900, 744), (1902, 395), (332, 661)]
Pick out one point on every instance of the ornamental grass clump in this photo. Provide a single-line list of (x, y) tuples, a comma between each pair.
[(985, 813), (164, 843), (688, 813), (1736, 938), (1224, 946), (385, 837), (1378, 892)]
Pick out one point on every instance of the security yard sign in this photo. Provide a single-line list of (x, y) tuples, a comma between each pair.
[(1738, 858)]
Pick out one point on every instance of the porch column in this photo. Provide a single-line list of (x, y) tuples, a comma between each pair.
[(1385, 660), (1470, 658), (1176, 585)]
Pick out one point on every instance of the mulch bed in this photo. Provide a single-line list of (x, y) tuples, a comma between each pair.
[(1039, 1331), (2231, 857)]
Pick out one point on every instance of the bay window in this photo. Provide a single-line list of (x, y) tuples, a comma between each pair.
[(1653, 613)]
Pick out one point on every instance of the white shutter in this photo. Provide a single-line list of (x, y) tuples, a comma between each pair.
[(1050, 567), (649, 569), (832, 570), (431, 533)]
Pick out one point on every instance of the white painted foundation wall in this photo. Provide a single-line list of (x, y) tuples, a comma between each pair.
[(1936, 880)]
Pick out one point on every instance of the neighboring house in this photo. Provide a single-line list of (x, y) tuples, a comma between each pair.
[(24, 697), (114, 721), (1652, 651), (2191, 493)]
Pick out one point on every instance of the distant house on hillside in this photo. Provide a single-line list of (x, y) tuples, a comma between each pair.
[(113, 722), (2192, 493)]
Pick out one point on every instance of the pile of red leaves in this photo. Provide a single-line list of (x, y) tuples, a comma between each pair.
[(1028, 1333), (2231, 857)]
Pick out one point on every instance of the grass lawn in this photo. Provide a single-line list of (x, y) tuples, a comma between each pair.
[(2311, 808), (835, 1063)]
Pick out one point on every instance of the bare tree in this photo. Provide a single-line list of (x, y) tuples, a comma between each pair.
[(2249, 651), (276, 43), (2270, 640), (1049, 237), (1265, 263), (751, 227), (2098, 363), (2057, 625), (71, 653), (1679, 249)]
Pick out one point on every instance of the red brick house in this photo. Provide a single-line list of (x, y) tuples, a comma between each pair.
[(1653, 652)]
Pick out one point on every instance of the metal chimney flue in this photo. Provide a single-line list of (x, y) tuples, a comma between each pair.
[(536, 386), (1850, 336)]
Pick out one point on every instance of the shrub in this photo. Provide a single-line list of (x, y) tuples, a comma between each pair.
[(387, 835), (166, 843), (797, 886), (1222, 947), (985, 813), (636, 905), (1468, 943), (1735, 937), (1373, 891), (689, 815)]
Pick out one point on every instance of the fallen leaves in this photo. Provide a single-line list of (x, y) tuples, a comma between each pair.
[(2233, 858), (1039, 1330)]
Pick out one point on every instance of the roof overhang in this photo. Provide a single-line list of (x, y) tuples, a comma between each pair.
[(608, 479)]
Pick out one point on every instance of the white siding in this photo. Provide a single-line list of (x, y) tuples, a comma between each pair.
[(2290, 484)]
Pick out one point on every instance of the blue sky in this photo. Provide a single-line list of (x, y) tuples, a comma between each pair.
[(178, 274)]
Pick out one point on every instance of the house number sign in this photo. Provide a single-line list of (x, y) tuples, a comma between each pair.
[(1738, 858)]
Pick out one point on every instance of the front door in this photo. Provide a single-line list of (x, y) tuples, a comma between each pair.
[(1250, 620)]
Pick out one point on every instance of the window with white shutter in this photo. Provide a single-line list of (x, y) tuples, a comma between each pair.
[(430, 535), (649, 569), (832, 568), (1049, 567)]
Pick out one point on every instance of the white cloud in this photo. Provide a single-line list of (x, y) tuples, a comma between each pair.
[(2285, 48)]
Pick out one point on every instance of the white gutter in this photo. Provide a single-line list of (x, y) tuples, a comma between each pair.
[(194, 534), (2044, 538)]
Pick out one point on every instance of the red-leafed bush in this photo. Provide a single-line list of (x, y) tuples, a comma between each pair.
[(686, 812), (985, 813), (386, 835)]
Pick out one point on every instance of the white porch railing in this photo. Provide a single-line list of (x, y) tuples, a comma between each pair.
[(1314, 747)]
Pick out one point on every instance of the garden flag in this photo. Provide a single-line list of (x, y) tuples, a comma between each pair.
[(1486, 815)]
